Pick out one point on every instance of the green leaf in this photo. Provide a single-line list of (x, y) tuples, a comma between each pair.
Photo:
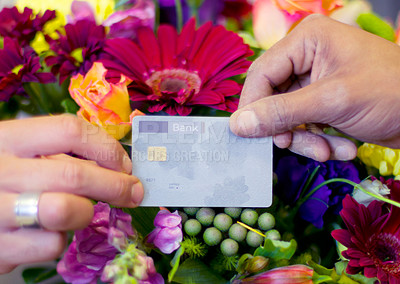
[(38, 274), (374, 24), (277, 250), (341, 276), (317, 279), (321, 270), (143, 218), (195, 271), (69, 106), (175, 263)]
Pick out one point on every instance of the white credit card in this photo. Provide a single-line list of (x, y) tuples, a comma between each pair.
[(198, 162)]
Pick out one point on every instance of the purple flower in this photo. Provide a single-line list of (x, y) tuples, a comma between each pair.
[(17, 66), (93, 246), (167, 235), (77, 49), (125, 23), (22, 26), (293, 173)]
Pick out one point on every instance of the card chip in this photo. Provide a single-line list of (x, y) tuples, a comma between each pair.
[(157, 154)]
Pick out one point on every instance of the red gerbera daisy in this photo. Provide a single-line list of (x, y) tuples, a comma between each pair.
[(175, 72), (372, 237)]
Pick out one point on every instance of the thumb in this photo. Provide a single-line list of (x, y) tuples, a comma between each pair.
[(280, 113)]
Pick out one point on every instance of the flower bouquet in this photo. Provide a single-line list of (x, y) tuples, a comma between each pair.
[(109, 61)]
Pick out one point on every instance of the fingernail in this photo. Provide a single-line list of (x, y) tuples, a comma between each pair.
[(309, 152), (137, 193), (126, 164), (342, 153), (247, 123)]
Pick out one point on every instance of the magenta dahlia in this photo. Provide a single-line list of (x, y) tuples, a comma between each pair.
[(22, 26), (76, 51), (17, 66), (372, 237), (175, 72)]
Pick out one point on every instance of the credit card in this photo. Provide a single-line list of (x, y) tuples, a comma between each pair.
[(188, 161)]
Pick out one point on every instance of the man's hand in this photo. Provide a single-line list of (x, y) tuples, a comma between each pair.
[(324, 72)]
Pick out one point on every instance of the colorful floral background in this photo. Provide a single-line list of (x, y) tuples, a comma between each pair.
[(108, 61)]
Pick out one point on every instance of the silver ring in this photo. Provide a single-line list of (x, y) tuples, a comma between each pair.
[(26, 209)]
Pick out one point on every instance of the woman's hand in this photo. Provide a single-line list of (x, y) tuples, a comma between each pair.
[(30, 161)]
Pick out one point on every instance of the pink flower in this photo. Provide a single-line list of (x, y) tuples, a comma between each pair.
[(125, 23), (176, 72), (293, 274), (272, 19), (167, 235), (372, 237)]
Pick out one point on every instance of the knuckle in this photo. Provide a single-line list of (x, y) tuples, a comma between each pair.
[(282, 115), (71, 126), (121, 190), (73, 176)]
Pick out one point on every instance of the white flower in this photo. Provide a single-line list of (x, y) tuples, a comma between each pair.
[(375, 187)]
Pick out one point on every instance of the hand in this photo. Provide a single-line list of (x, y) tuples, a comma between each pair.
[(28, 162), (323, 72)]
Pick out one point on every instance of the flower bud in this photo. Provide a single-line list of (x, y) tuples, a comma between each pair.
[(293, 274), (266, 221), (192, 227), (222, 222), (212, 236), (229, 247), (234, 212), (253, 239), (237, 232), (205, 216), (257, 263), (249, 217)]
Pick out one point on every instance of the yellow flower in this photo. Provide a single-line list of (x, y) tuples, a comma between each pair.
[(103, 103), (385, 159), (102, 8)]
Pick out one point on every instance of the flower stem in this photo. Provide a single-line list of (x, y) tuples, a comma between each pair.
[(179, 15), (356, 185), (157, 15)]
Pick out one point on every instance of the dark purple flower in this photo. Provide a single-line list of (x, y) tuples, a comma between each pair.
[(17, 66), (125, 23), (167, 235), (77, 49), (293, 173), (372, 237), (93, 246), (22, 26)]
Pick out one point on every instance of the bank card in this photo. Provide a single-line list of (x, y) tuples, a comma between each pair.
[(198, 162)]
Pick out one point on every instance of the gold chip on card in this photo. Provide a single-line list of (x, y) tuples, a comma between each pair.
[(157, 154)]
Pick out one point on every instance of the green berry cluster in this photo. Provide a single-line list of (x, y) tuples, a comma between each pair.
[(220, 227)]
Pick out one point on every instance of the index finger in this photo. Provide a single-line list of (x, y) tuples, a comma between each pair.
[(32, 137), (291, 55)]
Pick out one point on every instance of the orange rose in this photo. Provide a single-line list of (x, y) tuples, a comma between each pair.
[(273, 19), (103, 103), (309, 7)]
